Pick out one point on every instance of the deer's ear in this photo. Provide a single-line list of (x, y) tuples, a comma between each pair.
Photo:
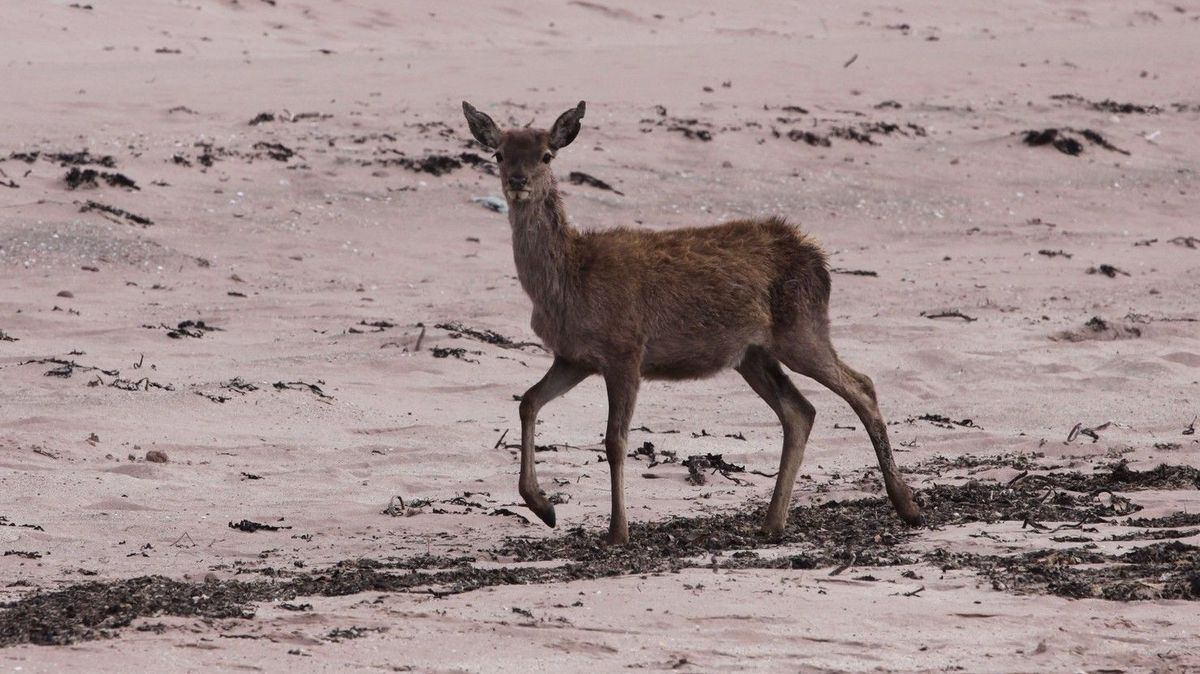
[(482, 126), (566, 127)]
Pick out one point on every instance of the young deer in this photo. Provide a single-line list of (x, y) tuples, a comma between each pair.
[(682, 304)]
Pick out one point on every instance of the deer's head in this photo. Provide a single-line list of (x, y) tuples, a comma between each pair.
[(524, 155)]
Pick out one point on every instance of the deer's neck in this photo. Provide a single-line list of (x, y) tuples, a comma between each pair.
[(542, 248)]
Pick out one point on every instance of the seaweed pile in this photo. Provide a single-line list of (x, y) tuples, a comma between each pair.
[(863, 532)]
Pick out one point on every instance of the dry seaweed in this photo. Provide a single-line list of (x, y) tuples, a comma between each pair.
[(1067, 140), (581, 178), (118, 212), (863, 532), (1107, 270), (492, 337), (1120, 478), (276, 151), (939, 465), (701, 465), (1097, 328), (250, 526), (453, 352), (950, 313), (1109, 105), (1172, 520), (654, 455), (943, 421), (1157, 571), (303, 386)]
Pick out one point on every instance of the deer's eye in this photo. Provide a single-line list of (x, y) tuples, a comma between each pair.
[(499, 157), (547, 157)]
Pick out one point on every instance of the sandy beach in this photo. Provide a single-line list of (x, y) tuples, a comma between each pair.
[(260, 344)]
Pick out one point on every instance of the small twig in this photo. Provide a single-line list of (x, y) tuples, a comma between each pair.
[(852, 60), (420, 338), (853, 272), (1079, 429), (847, 564), (391, 508), (501, 440), (178, 541)]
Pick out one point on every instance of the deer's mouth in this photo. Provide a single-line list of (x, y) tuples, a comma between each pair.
[(518, 195)]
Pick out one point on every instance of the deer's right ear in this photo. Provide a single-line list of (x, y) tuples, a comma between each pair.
[(482, 126)]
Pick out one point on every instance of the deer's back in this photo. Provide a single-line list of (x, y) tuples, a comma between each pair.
[(692, 299)]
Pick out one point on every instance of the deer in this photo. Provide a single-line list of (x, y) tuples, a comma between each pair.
[(633, 304)]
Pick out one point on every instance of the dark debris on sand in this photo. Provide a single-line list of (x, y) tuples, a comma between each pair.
[(457, 329), (120, 213), (942, 421), (581, 178), (78, 178), (303, 386), (865, 532), (701, 465), (454, 352), (1109, 105), (276, 151), (188, 328), (1097, 328), (690, 128), (1107, 270), (434, 164), (250, 526), (1120, 477), (939, 465), (1067, 140), (81, 158), (1157, 571), (862, 132)]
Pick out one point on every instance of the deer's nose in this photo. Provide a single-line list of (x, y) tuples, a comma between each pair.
[(517, 182)]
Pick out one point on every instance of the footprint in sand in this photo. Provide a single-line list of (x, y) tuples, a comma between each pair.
[(1183, 358)]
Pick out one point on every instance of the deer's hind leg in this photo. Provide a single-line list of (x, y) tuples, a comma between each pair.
[(811, 354), (562, 377), (761, 370)]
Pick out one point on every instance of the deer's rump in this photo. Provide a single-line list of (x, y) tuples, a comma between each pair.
[(694, 299)]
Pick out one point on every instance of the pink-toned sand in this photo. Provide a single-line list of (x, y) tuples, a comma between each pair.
[(952, 219)]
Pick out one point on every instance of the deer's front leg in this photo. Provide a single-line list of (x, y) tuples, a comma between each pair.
[(562, 377), (622, 396)]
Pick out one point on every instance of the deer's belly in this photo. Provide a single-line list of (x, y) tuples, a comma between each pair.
[(692, 354), (678, 359)]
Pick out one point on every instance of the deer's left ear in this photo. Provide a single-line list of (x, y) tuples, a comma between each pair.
[(566, 127)]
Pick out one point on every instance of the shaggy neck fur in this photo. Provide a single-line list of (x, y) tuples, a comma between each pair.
[(542, 248)]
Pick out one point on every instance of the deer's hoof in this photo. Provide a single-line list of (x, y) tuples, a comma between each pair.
[(545, 513), (773, 532), (911, 515), (617, 537)]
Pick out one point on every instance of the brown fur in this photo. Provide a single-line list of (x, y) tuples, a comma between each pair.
[(630, 304)]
